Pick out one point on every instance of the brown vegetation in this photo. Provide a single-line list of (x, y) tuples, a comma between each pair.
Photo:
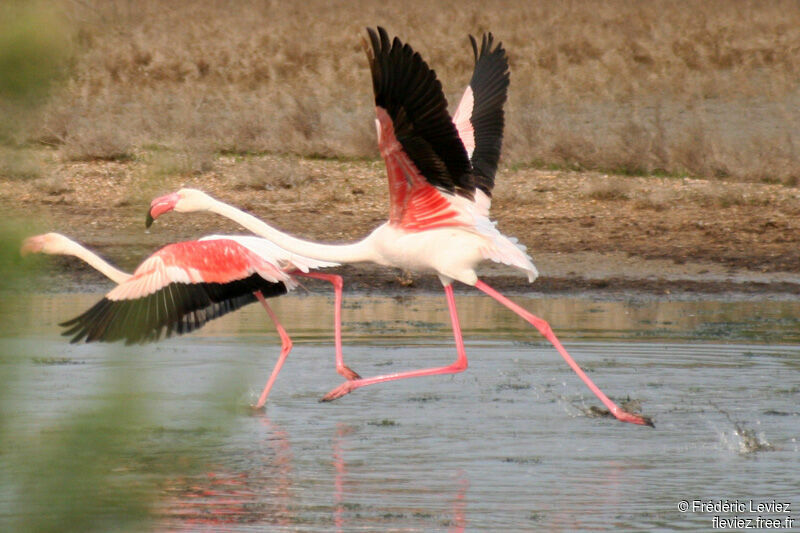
[(699, 88)]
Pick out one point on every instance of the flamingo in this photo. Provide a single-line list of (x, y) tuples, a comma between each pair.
[(184, 285), (441, 173)]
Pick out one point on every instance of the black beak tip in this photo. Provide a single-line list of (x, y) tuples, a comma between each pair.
[(149, 220)]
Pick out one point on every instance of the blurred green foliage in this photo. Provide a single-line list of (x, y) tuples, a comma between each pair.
[(103, 463), (110, 464), (60, 478), (108, 461), (12, 266)]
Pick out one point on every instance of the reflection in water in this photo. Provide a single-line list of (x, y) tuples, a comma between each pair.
[(264, 495), (342, 430), (460, 503), (343, 508), (283, 463), (260, 494), (424, 316), (495, 448), (211, 499)]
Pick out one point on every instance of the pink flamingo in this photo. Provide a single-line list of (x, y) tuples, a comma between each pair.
[(184, 285), (441, 174)]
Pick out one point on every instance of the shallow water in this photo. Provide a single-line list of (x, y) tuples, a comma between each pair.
[(508, 445)]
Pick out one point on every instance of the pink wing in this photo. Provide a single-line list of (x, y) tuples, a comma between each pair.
[(416, 205), (426, 161), (178, 289), (193, 262)]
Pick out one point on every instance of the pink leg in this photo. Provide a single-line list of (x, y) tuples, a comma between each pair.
[(459, 366), (544, 329), (336, 281), (286, 347)]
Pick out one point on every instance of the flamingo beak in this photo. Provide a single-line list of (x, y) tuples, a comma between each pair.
[(159, 206)]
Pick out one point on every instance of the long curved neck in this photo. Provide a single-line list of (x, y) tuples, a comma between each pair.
[(95, 261), (358, 252)]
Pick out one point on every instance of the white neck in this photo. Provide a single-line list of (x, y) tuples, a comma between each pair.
[(358, 252), (95, 261)]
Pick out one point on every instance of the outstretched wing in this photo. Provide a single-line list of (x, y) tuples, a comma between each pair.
[(425, 159), (479, 117), (177, 290), (176, 308)]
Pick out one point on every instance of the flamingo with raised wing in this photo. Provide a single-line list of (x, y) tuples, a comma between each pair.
[(441, 174), (184, 285)]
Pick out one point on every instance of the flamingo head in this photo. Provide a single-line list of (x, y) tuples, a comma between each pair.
[(183, 201), (47, 243)]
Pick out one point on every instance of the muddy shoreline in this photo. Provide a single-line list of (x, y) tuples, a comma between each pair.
[(69, 275), (592, 234)]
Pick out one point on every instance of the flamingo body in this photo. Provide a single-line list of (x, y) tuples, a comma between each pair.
[(433, 183), (184, 285), (449, 252)]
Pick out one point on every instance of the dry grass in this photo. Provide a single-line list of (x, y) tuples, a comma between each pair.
[(730, 196), (700, 88), (19, 165), (272, 173), (607, 189), (188, 160), (654, 200)]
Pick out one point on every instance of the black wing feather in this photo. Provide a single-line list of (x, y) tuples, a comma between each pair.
[(178, 307), (489, 84), (411, 94)]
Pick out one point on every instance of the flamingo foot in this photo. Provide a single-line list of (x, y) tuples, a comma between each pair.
[(622, 416), (349, 374), (345, 388), (642, 420)]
